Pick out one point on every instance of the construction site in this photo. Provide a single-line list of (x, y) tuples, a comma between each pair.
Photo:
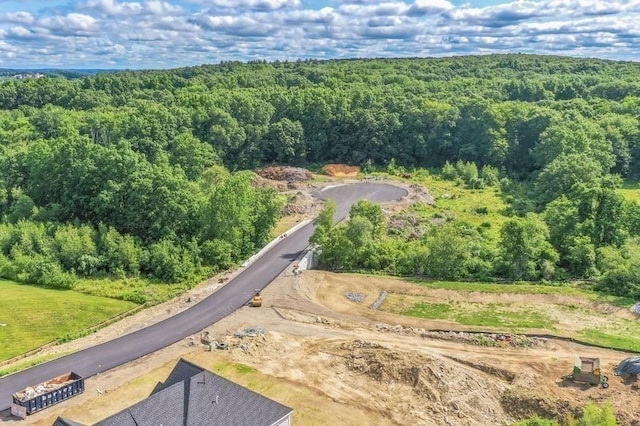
[(329, 346)]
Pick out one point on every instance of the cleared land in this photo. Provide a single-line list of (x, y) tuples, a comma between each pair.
[(331, 358), (31, 316), (337, 361)]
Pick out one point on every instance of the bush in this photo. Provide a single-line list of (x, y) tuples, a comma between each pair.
[(622, 281), (170, 263), (595, 415), (448, 172), (490, 175), (217, 253), (47, 272), (468, 171)]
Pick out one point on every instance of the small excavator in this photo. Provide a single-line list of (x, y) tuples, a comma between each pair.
[(256, 301)]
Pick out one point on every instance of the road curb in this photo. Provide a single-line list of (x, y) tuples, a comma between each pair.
[(274, 242)]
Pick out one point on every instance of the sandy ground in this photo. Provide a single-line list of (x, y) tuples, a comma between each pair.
[(338, 362), (327, 356)]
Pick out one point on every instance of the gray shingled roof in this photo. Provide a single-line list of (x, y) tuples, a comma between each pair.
[(61, 421), (182, 371), (215, 400), (192, 396)]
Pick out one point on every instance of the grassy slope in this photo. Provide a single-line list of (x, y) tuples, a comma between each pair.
[(462, 203), (614, 332), (35, 316), (588, 323)]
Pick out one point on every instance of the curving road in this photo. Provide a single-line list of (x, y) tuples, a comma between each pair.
[(218, 305)]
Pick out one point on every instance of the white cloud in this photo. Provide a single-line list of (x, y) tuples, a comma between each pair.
[(156, 33)]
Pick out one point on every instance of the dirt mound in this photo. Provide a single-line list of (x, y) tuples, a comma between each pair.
[(260, 182), (341, 170), (420, 194), (289, 174), (522, 404), (299, 203), (453, 394)]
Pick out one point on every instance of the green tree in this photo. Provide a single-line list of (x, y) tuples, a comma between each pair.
[(324, 222), (525, 250), (448, 253), (285, 142), (562, 174), (373, 213)]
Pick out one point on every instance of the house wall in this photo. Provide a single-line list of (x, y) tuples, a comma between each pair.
[(285, 421)]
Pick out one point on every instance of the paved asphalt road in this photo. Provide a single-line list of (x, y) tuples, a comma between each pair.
[(218, 305)]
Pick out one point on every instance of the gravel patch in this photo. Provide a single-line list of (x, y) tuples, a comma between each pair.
[(251, 332), (355, 297), (375, 305)]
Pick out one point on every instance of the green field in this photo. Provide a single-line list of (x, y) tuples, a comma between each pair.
[(559, 310), (496, 315), (475, 206), (32, 316)]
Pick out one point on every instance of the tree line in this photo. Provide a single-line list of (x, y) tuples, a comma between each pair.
[(588, 233), (146, 154)]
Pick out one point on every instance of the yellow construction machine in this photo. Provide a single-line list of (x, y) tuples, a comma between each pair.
[(256, 302)]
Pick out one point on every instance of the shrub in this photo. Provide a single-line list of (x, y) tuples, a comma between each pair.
[(448, 172)]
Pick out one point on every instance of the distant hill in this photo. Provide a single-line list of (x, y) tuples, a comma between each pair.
[(67, 73)]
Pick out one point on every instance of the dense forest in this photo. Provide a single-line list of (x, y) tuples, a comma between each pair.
[(145, 173)]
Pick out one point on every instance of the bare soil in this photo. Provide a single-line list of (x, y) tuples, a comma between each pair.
[(335, 361), (341, 170), (289, 174), (328, 357)]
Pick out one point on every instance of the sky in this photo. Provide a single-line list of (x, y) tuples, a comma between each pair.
[(144, 34)]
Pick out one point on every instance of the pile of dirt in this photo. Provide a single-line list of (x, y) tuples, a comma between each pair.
[(341, 170), (521, 403), (283, 173), (443, 392), (260, 182), (299, 203), (420, 194), (477, 339)]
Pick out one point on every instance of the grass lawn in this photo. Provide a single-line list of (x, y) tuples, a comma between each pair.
[(496, 315), (23, 365), (625, 336), (35, 316)]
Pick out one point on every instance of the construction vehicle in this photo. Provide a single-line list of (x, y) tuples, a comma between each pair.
[(256, 301), (587, 370)]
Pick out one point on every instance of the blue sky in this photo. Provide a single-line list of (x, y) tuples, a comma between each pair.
[(170, 33)]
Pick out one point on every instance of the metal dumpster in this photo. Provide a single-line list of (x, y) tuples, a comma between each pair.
[(43, 395)]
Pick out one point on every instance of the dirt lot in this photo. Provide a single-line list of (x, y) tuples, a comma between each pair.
[(327, 356), (335, 361)]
